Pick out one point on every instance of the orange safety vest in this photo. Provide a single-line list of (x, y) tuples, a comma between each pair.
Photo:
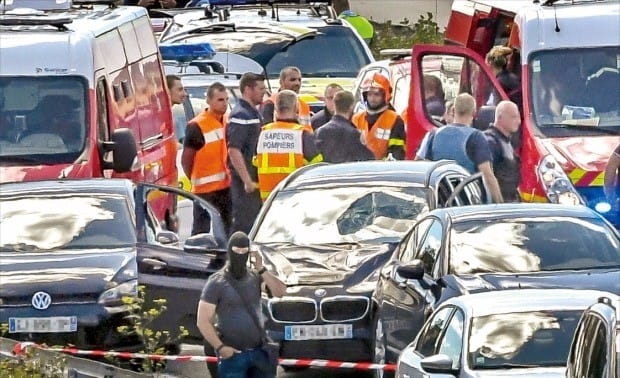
[(378, 140), (304, 111), (279, 152), (210, 172)]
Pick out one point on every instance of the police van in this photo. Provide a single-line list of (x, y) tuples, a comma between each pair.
[(567, 56), (82, 94)]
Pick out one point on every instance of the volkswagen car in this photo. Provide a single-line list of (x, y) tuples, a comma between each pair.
[(326, 231), (71, 250)]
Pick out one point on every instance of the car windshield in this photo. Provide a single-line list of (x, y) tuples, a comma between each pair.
[(531, 245), (521, 339), (334, 51), (65, 221), (581, 99), (42, 119), (341, 215)]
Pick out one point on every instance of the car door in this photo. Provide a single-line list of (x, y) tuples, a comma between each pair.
[(455, 189), (407, 302), (460, 71), (172, 264)]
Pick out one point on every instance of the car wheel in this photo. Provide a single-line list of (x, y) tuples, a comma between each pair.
[(379, 349)]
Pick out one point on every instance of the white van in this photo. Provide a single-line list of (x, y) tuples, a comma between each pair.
[(82, 94)]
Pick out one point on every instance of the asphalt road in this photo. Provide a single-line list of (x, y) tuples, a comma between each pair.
[(199, 369)]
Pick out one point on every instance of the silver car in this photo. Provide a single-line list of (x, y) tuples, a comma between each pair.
[(507, 333)]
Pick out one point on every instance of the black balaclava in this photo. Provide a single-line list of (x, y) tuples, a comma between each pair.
[(237, 261)]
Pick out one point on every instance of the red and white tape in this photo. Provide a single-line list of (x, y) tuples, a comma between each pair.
[(20, 348)]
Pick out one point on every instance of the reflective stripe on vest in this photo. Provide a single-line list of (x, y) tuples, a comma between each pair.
[(379, 140), (304, 112), (210, 172), (279, 152)]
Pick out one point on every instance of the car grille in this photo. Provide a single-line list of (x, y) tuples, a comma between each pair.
[(293, 310), (344, 308)]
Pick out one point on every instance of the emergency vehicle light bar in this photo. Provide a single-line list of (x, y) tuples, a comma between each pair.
[(16, 20), (43, 5), (186, 52)]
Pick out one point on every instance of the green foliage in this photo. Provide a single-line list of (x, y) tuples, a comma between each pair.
[(155, 342), (391, 36)]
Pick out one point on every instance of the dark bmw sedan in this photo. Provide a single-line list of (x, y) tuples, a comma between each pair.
[(70, 250), (451, 252), (327, 230)]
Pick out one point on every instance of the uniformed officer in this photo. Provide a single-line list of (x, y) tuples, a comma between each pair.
[(506, 164), (382, 127), (283, 145)]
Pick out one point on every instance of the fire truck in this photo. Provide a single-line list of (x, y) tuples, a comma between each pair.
[(567, 56)]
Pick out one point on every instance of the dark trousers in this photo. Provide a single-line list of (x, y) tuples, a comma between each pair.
[(220, 199), (245, 206)]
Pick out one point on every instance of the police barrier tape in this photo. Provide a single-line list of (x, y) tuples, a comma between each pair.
[(20, 348)]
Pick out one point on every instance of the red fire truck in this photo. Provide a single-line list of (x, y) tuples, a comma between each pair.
[(568, 47)]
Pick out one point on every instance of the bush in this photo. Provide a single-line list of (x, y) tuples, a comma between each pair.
[(399, 36)]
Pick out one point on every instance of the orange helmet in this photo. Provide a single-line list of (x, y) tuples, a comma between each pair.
[(378, 81)]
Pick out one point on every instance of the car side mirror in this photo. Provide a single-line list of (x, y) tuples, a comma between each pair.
[(204, 244), (412, 271), (167, 237), (122, 144), (438, 364)]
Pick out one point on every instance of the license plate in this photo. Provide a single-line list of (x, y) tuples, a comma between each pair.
[(318, 332), (43, 325)]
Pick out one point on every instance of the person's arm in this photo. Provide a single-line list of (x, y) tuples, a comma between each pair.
[(266, 110), (238, 163), (187, 160), (205, 317), (611, 175), (275, 285), (396, 144), (312, 154), (422, 152), (193, 141), (491, 181)]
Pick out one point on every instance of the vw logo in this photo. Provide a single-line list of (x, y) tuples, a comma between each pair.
[(320, 293), (41, 300)]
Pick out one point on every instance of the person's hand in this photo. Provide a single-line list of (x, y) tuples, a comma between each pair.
[(227, 352), (250, 186), (257, 259)]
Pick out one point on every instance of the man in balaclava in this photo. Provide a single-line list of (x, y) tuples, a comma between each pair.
[(382, 127), (228, 296)]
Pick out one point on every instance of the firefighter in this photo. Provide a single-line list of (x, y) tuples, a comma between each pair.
[(383, 128), (290, 78), (283, 145)]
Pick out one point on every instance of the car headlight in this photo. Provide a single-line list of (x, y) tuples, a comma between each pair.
[(557, 185), (114, 296)]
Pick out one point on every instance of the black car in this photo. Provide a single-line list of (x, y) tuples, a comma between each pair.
[(456, 251), (70, 250), (327, 230)]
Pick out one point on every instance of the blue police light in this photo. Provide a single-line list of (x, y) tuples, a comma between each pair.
[(186, 52), (603, 207)]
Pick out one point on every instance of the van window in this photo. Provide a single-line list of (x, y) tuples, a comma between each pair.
[(111, 47), (130, 42), (43, 120), (144, 33), (574, 92)]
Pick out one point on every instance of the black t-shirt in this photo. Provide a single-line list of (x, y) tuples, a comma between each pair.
[(477, 148), (193, 137)]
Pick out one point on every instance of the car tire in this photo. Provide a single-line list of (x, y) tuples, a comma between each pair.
[(379, 349)]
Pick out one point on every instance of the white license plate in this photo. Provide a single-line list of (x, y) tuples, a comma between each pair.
[(318, 332), (43, 325)]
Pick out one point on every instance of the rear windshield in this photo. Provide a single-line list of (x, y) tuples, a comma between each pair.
[(532, 245), (42, 119)]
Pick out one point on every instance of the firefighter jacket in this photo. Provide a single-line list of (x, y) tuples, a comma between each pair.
[(210, 172), (304, 111), (282, 148), (381, 138)]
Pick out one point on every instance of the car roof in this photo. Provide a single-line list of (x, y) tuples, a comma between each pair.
[(367, 172), (514, 210), (525, 300), (92, 186), (201, 80)]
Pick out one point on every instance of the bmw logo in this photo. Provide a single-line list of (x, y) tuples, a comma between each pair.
[(41, 300), (320, 293)]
